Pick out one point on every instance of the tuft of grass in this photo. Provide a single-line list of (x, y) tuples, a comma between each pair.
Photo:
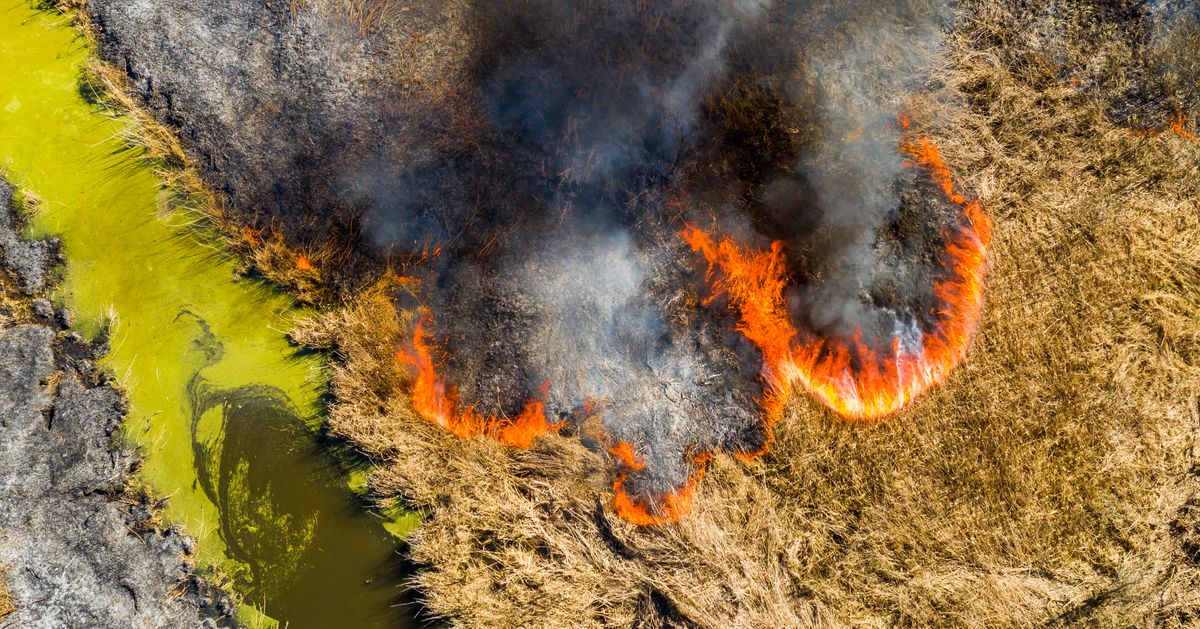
[(367, 16), (6, 602)]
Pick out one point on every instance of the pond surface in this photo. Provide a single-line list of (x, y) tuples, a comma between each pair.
[(223, 409)]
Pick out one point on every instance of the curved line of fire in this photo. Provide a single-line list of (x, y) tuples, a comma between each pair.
[(846, 374)]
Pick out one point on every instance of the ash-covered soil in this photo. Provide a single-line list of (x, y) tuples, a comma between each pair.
[(29, 261), (79, 546), (288, 107)]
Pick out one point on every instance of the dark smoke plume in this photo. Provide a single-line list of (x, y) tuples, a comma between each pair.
[(861, 253), (551, 207)]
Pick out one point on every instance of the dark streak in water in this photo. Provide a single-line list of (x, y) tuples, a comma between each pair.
[(313, 556)]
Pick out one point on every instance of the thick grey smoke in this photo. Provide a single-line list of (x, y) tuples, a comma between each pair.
[(857, 74), (592, 105), (561, 272)]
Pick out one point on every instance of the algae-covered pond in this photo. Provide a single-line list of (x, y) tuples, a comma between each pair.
[(224, 410)]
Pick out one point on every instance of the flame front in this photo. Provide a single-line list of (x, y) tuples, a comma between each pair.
[(847, 374), (437, 402), (1179, 124), (670, 507)]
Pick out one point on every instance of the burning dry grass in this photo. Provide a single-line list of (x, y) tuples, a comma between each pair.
[(1051, 479)]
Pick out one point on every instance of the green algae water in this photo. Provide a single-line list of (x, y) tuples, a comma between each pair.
[(222, 408)]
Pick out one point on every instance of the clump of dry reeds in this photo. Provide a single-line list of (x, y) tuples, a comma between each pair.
[(6, 602), (1052, 480), (366, 15)]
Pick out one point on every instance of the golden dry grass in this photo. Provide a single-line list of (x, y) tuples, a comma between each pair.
[(366, 15), (1052, 480), (6, 602)]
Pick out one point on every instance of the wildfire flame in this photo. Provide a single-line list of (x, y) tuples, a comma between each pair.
[(303, 263), (670, 507), (1179, 124), (438, 402), (848, 375)]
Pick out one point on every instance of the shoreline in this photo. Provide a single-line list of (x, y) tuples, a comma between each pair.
[(82, 544)]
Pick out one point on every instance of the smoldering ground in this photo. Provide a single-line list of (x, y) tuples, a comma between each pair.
[(1146, 78)]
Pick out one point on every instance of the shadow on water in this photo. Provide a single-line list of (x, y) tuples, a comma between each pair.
[(311, 555)]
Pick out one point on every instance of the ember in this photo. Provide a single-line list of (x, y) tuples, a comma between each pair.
[(652, 511), (1179, 124)]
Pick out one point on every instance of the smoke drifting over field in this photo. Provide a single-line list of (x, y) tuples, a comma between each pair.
[(557, 284)]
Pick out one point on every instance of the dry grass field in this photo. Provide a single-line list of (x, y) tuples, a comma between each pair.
[(1053, 479)]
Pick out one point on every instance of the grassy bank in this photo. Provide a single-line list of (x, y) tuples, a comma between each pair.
[(217, 395)]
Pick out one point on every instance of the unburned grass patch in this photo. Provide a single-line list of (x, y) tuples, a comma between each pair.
[(6, 602)]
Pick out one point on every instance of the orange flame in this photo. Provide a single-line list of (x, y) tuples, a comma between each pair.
[(438, 402), (847, 374), (664, 509), (1179, 124), (251, 235), (303, 263)]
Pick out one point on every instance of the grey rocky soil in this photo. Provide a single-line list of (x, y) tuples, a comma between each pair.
[(78, 546), (29, 261)]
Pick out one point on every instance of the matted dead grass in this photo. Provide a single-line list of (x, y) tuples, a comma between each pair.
[(6, 601), (1052, 480)]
